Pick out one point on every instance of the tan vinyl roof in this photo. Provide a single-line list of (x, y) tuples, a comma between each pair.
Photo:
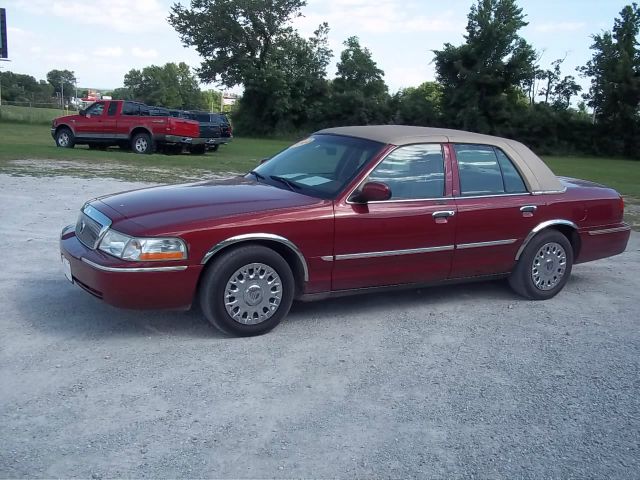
[(538, 177)]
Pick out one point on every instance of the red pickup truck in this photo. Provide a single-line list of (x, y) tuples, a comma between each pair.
[(128, 125)]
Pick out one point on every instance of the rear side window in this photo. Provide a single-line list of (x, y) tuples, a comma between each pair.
[(130, 108), (513, 182), (413, 172), (113, 106), (485, 170)]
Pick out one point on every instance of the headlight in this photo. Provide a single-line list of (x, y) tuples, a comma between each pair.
[(142, 249)]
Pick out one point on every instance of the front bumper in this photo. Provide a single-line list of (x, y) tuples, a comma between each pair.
[(137, 285)]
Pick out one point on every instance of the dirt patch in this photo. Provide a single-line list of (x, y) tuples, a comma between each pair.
[(79, 169)]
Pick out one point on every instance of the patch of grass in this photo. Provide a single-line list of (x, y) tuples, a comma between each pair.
[(623, 175), (17, 114), (34, 142)]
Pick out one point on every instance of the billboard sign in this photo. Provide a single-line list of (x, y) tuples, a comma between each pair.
[(4, 53)]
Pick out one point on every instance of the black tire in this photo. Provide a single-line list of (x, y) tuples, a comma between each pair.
[(214, 147), (543, 282), (65, 138), (214, 283), (198, 150), (142, 143), (174, 149)]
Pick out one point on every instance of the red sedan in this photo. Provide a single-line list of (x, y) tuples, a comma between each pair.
[(346, 210)]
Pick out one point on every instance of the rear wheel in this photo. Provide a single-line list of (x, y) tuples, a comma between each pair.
[(544, 267), (142, 143), (65, 138), (247, 291)]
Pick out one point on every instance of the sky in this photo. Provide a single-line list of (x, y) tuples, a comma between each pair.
[(101, 40)]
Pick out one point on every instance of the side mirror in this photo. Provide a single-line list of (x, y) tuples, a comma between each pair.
[(265, 160), (374, 192), (83, 113)]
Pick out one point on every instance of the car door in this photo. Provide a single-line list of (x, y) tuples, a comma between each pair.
[(406, 239), (495, 212), (89, 126), (109, 121)]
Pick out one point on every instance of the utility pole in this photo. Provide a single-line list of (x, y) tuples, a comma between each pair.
[(62, 94), (222, 101)]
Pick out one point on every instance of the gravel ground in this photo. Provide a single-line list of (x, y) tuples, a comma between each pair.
[(463, 381)]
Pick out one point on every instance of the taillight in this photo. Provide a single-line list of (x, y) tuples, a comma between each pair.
[(621, 205)]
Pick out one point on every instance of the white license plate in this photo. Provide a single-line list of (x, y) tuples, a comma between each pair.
[(66, 268)]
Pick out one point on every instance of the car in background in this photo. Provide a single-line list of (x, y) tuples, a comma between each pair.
[(127, 124), (214, 127)]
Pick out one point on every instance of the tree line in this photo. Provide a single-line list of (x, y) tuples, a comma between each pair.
[(491, 83)]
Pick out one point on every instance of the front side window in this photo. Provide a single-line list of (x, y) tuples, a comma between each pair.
[(318, 166), (96, 109), (486, 170), (412, 172)]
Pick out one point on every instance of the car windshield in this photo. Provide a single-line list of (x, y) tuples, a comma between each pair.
[(318, 166)]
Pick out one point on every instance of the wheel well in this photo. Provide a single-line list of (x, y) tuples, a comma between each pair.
[(138, 130), (572, 235), (285, 252), (60, 127)]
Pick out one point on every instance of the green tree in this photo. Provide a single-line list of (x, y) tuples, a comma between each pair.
[(418, 105), (290, 93), (483, 79), (170, 85), (59, 78), (614, 95), (359, 92), (121, 93), (235, 38), (251, 43)]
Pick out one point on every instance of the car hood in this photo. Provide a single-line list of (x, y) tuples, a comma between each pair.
[(173, 207)]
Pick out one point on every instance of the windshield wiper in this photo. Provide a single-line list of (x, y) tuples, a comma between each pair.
[(292, 185), (257, 175)]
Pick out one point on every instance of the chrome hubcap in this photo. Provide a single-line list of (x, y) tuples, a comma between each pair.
[(63, 139), (141, 144), (253, 294), (549, 266)]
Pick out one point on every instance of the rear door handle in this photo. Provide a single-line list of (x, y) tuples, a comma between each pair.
[(443, 214), (528, 209)]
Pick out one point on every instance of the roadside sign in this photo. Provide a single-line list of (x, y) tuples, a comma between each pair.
[(4, 53)]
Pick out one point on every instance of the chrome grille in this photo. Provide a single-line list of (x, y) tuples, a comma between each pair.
[(91, 225)]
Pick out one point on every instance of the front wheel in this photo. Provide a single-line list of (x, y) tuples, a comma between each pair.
[(65, 138), (247, 291), (544, 267), (214, 147)]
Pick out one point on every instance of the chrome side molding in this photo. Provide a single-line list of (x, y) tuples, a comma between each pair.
[(393, 253), (495, 243), (604, 231), (259, 236), (540, 227)]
